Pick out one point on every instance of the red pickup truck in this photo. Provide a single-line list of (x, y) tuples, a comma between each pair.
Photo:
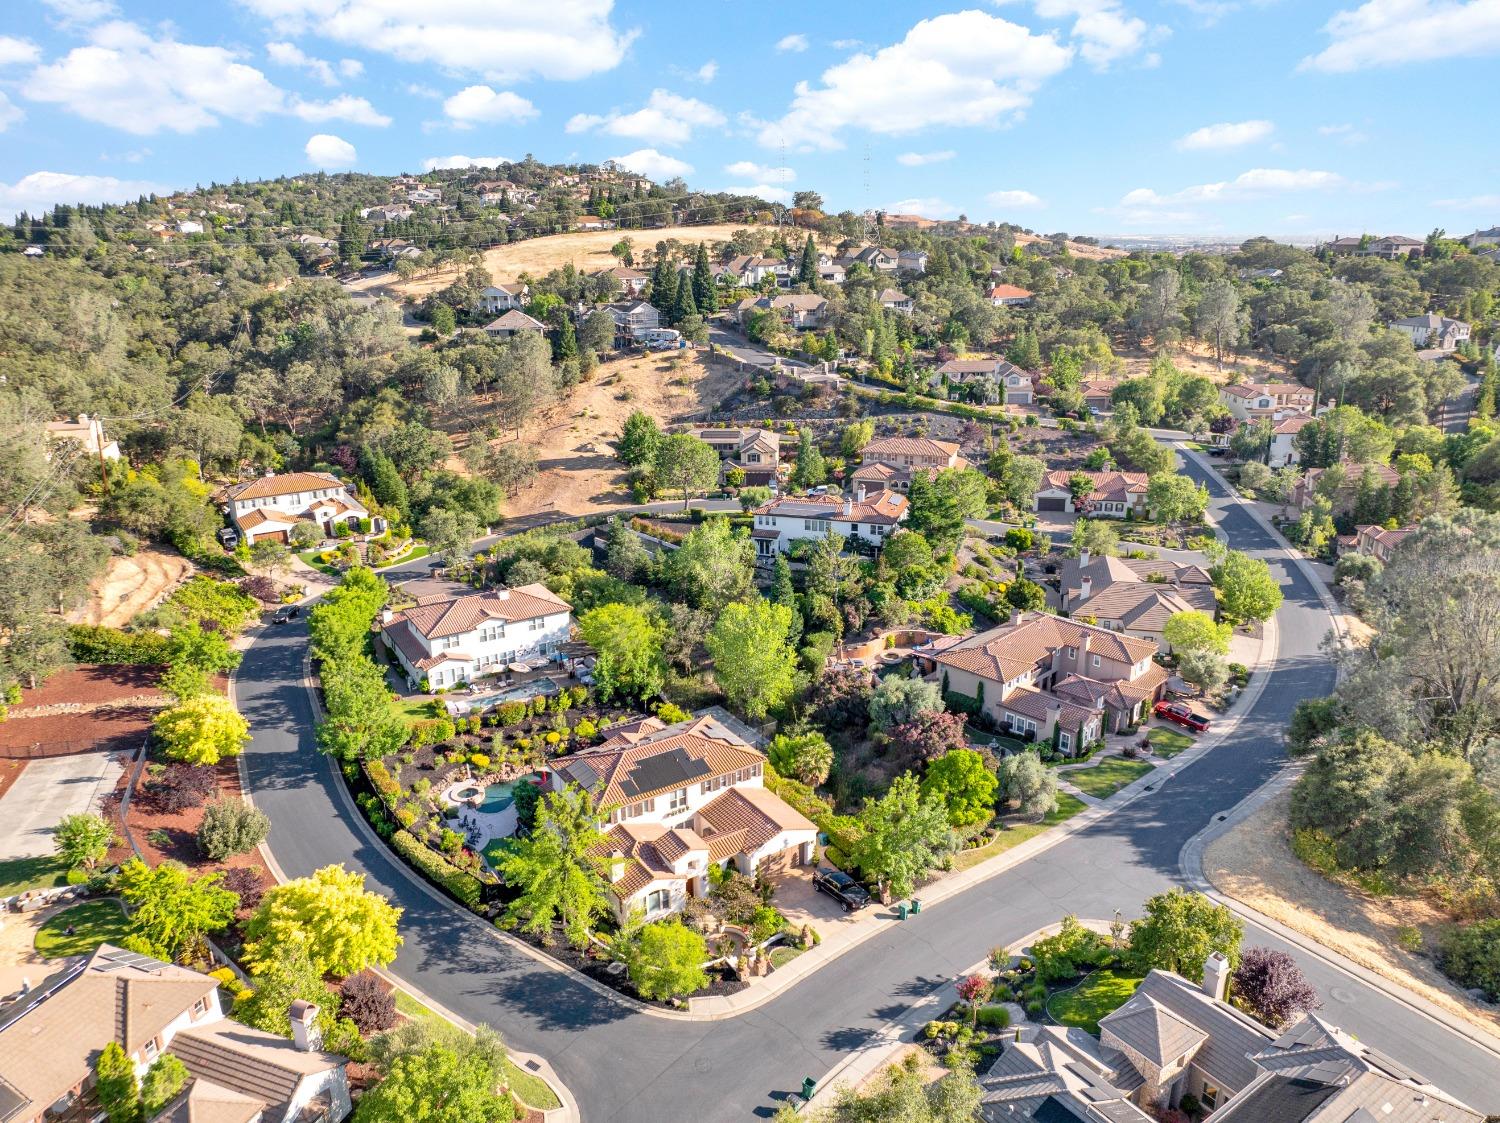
[(1182, 715)]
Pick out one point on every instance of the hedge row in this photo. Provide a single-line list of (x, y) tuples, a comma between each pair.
[(462, 886), (92, 644)]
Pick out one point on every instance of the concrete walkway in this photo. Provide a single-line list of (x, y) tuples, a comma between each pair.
[(48, 791)]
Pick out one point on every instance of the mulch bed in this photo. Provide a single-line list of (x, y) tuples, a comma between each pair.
[(90, 683), (112, 730), (10, 771)]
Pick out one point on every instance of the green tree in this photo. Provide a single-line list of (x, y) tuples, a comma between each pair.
[(557, 870), (639, 439), (902, 1092), (359, 722), (115, 1085), (807, 264), (705, 294), (1025, 352), (1179, 931), (352, 235), (83, 839), (286, 975), (202, 730), (1020, 477), (448, 1082), (345, 927), (628, 641), (449, 531), (665, 960), (899, 701), (856, 435), (1026, 595), (231, 826), (1218, 316), (905, 835), (1029, 784), (713, 566), (1247, 590), (166, 1077), (686, 464), (753, 661), (934, 513), (810, 469), (1173, 498), (965, 786), (1196, 631), (171, 911), (805, 757)]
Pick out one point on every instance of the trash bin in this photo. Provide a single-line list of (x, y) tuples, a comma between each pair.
[(809, 1086), (916, 905), (901, 910)]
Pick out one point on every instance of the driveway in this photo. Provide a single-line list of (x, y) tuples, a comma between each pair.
[(49, 791), (801, 904)]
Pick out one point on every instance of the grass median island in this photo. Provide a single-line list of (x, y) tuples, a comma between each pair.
[(1017, 833), (93, 923), (1098, 995), (18, 875), (1107, 777)]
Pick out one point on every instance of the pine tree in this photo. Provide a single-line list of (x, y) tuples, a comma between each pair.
[(663, 291), (567, 340), (704, 297), (1025, 352), (807, 269), (352, 236), (683, 305)]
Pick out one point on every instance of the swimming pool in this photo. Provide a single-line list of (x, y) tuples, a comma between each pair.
[(497, 797)]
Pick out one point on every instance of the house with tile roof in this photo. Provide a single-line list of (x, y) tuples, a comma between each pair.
[(1251, 401), (1313, 483), (446, 640), (1043, 677), (51, 1036), (270, 506), (1283, 452), (1114, 493), (756, 452), (1173, 1038), (1378, 542), (1133, 596), (994, 380), (684, 799), (868, 515), (1098, 394), (889, 462), (1011, 296)]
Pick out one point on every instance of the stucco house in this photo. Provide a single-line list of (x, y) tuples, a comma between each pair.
[(85, 431), (1283, 451), (871, 516), (632, 282), (756, 452), (447, 640), (1343, 499), (495, 299), (801, 310), (894, 300), (1011, 296), (1432, 332), (1249, 401), (1002, 381), (683, 799), (51, 1037), (1133, 596), (1378, 542), (890, 462), (269, 507), (1113, 495), (1046, 678)]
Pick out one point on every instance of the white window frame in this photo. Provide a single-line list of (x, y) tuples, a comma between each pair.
[(664, 896), (678, 801)]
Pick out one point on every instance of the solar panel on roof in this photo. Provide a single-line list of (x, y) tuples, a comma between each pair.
[(663, 770), (11, 1101)]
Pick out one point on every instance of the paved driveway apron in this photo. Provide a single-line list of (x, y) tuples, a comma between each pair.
[(48, 791)]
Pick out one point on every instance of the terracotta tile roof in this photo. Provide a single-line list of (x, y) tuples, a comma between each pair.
[(663, 760), (886, 507), (1010, 292), (878, 472), (649, 849), (1294, 424), (451, 616), (289, 484), (1038, 706), (252, 519), (1109, 487), (1010, 650), (909, 446), (755, 814)]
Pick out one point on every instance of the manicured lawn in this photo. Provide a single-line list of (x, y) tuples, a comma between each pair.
[(495, 849), (411, 555), (415, 708), (1101, 993), (1107, 777), (1169, 742), (314, 558), (527, 1087), (783, 954), (17, 875), (94, 923), (1067, 807)]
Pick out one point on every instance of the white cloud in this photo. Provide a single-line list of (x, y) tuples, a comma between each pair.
[(708, 72), (1105, 32), (40, 191), (762, 190), (1253, 184), (13, 50), (846, 44), (345, 107), (922, 159), (351, 68), (1226, 134), (505, 40), (928, 207), (289, 54), (1013, 198), (794, 42), (666, 118), (1346, 134), (416, 89), (964, 68), (482, 105), (652, 164), (1472, 203), (329, 152), (82, 11), (443, 163), (10, 113), (1389, 32), (749, 169)]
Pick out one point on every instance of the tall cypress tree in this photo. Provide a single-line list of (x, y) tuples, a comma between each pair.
[(683, 305), (807, 270), (704, 296), (663, 291)]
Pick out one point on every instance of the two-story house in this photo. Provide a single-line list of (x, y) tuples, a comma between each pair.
[(911, 261), (801, 310), (1113, 495), (1283, 451), (1378, 542), (632, 282), (1432, 332), (750, 270), (683, 799), (1135, 596), (634, 319), (1391, 247), (1342, 496), (447, 640), (51, 1037), (996, 380), (270, 507), (878, 258), (890, 461), (86, 431), (756, 452), (894, 300), (495, 299), (512, 323), (1046, 678), (1250, 401), (871, 516)]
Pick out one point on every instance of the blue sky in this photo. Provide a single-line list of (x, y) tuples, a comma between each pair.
[(1091, 116)]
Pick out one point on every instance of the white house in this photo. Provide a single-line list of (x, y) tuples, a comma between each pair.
[(872, 516), (1248, 401), (51, 1037), (1114, 493), (635, 319), (1433, 331), (911, 261), (632, 281), (1011, 296), (448, 640), (189, 226), (495, 299), (271, 506), (878, 258), (1284, 439), (894, 300), (683, 799)]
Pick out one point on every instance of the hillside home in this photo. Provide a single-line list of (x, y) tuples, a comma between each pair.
[(495, 299), (632, 282), (513, 323), (1481, 238), (894, 300), (425, 195), (452, 639), (634, 318), (1098, 394), (51, 1036), (890, 461), (1432, 332), (1133, 596), (801, 310), (1011, 296), (870, 515), (998, 380), (1249, 401), (1115, 494), (1173, 1038), (390, 212), (756, 452), (1307, 488), (911, 261), (1283, 451), (831, 272), (592, 222), (269, 507), (878, 258), (751, 269), (1392, 247), (683, 799), (1379, 543), (1045, 678), (87, 432)]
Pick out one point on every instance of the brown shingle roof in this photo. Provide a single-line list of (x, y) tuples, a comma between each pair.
[(660, 761), (289, 484), (1010, 650), (252, 1062), (451, 616)]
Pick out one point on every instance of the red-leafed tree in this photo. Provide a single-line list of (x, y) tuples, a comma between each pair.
[(1271, 984), (974, 989)]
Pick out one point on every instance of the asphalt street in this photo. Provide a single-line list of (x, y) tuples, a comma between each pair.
[(626, 1066)]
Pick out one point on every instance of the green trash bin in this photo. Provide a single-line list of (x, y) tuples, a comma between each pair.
[(901, 910), (916, 905), (809, 1086)]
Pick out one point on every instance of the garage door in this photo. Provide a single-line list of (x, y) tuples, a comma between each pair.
[(1051, 503), (1018, 397), (780, 863)]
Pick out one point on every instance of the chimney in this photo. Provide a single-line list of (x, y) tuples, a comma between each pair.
[(306, 1036), (502, 594), (616, 865), (386, 616), (1015, 616), (1083, 558), (848, 508), (1216, 976), (1085, 587), (859, 492)]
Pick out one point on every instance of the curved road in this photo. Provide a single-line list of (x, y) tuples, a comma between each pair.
[(623, 1065)]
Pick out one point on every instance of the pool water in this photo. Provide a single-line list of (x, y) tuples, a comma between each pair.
[(497, 797)]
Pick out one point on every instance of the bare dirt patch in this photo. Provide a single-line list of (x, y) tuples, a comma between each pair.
[(130, 586), (1194, 357), (1254, 863), (1077, 249)]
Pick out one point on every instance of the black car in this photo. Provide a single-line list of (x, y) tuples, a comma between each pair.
[(842, 888), (281, 616)]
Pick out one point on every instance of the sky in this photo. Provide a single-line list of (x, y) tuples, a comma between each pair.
[(1188, 117)]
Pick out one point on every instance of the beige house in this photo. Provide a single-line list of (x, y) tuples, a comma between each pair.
[(869, 515), (1133, 596), (447, 640), (1307, 487), (86, 431), (1379, 543), (512, 323), (756, 452), (995, 380), (1113, 495), (1251, 401), (271, 506), (51, 1037), (683, 799)]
